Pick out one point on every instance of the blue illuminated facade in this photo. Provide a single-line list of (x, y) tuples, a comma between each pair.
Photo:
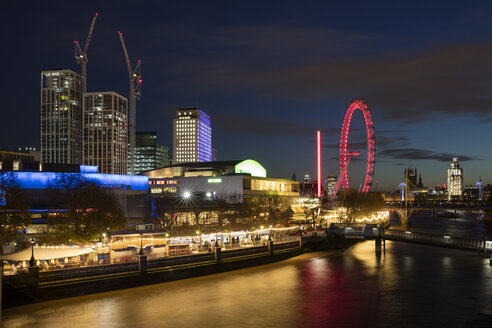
[(204, 140), (192, 136), (88, 169), (48, 180)]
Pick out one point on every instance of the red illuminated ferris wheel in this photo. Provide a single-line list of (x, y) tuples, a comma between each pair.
[(345, 154)]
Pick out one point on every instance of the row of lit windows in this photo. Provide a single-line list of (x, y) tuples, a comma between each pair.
[(167, 182)]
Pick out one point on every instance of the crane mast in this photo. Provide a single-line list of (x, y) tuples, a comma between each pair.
[(81, 55), (135, 77)]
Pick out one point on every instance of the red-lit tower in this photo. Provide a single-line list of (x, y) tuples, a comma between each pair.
[(318, 160)]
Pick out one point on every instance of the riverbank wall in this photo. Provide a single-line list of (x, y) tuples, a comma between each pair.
[(34, 286)]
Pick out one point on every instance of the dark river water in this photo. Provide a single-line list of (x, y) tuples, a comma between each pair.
[(406, 286)]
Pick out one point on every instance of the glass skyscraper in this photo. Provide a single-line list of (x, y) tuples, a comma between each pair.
[(61, 117), (148, 154)]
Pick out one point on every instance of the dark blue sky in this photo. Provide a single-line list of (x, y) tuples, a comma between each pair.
[(270, 73)]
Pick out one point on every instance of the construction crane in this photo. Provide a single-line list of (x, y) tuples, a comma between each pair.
[(135, 76), (81, 56)]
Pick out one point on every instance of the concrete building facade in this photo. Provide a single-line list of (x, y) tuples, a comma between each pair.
[(105, 132), (230, 181), (192, 136)]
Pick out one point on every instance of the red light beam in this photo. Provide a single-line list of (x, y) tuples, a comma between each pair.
[(318, 148)]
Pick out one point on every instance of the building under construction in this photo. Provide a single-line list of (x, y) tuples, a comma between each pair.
[(91, 128)]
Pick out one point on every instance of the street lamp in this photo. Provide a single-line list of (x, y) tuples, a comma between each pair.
[(186, 195), (32, 261), (141, 252)]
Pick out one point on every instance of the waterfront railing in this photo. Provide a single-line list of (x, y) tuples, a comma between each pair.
[(370, 232), (169, 261)]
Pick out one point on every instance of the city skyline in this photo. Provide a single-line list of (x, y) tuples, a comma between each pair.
[(270, 78)]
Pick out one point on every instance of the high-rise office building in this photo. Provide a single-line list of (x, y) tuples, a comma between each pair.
[(61, 117), (455, 180), (148, 154), (105, 137), (192, 136)]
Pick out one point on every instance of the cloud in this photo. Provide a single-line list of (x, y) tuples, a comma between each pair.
[(239, 124), (313, 64), (453, 81), (383, 141), (422, 154)]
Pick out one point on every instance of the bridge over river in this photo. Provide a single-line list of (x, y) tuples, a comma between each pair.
[(438, 205), (380, 235)]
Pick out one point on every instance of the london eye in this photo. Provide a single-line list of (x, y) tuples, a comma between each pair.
[(346, 154)]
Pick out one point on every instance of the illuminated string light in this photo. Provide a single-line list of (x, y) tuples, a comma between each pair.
[(375, 217)]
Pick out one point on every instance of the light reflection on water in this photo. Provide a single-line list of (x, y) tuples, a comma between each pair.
[(407, 285)]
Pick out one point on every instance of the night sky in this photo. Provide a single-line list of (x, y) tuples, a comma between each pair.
[(270, 73)]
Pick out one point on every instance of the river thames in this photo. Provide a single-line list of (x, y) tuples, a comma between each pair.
[(406, 286)]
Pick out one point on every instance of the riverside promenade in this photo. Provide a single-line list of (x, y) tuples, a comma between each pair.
[(34, 286)]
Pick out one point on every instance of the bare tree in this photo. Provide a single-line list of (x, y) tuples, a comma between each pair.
[(312, 213), (88, 211), (166, 208), (272, 206), (13, 209), (360, 204), (232, 208), (253, 210)]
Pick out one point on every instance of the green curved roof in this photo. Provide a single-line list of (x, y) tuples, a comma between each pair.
[(252, 167)]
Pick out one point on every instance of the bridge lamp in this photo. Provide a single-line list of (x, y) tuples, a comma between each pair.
[(186, 195)]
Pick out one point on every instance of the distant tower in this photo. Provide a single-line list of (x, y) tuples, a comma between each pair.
[(192, 136), (420, 184), (61, 117), (294, 178), (214, 155), (149, 155), (410, 175), (307, 177), (480, 191), (455, 180), (331, 182)]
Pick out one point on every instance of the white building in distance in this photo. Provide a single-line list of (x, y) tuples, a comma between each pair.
[(455, 180), (192, 134)]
